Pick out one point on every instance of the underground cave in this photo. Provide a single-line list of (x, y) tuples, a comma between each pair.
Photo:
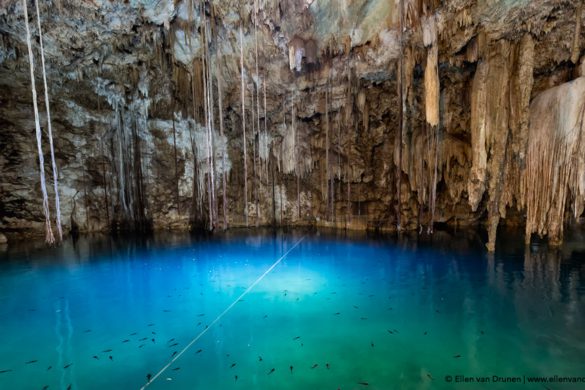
[(292, 194)]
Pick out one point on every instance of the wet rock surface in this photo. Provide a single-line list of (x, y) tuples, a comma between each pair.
[(357, 114)]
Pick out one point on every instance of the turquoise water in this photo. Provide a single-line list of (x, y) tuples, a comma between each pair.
[(342, 311)]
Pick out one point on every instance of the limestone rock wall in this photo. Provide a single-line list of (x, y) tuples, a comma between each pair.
[(358, 114)]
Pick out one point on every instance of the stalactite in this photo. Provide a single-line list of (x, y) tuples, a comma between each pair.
[(49, 127), (265, 138), (104, 178), (555, 160), (363, 107), (223, 166), (244, 127), (576, 51), (176, 179), (339, 176), (520, 93), (398, 138), (296, 152), (254, 167), (210, 127), (490, 123), (197, 192), (121, 165), (432, 89), (327, 173), (49, 238), (140, 200)]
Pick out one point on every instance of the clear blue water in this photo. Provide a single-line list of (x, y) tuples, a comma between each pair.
[(393, 313)]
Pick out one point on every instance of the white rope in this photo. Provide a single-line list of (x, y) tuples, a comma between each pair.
[(49, 232), (216, 320), (49, 127)]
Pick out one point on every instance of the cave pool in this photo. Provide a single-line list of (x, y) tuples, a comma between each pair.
[(344, 311)]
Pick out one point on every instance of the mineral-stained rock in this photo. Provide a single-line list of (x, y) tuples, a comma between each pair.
[(136, 118)]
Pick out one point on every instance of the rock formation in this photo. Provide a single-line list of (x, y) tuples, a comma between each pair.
[(372, 114)]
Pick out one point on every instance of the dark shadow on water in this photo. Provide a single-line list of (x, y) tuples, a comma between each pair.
[(446, 240)]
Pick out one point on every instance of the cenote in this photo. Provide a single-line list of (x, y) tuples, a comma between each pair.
[(300, 309), (292, 194)]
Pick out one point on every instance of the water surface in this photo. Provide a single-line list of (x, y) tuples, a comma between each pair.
[(395, 313)]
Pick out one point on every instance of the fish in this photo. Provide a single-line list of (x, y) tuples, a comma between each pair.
[(45, 387), (171, 340), (31, 361), (107, 350), (48, 368), (111, 358), (233, 365), (336, 314), (199, 351), (314, 366), (372, 344), (430, 376), (291, 369), (173, 345), (327, 365), (143, 339), (271, 371), (67, 366), (4, 371), (176, 368), (174, 353), (235, 378), (389, 331), (363, 318), (425, 333), (166, 311), (363, 383), (87, 331), (150, 325), (199, 323), (153, 340), (200, 315), (259, 358), (125, 341), (457, 356), (265, 316), (296, 338), (153, 332), (95, 357), (133, 334), (69, 387), (148, 377), (141, 345), (356, 307)]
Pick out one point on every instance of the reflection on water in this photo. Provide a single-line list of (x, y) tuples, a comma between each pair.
[(395, 312)]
